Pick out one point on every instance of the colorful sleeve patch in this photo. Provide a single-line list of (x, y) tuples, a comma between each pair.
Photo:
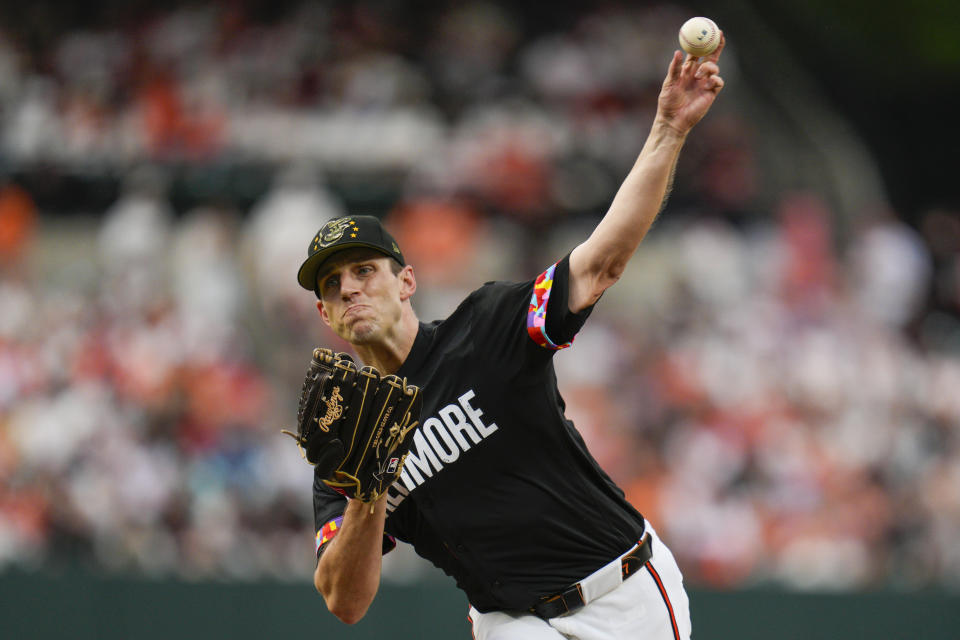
[(329, 531), (537, 313)]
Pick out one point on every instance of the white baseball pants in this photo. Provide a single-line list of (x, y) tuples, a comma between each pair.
[(650, 604)]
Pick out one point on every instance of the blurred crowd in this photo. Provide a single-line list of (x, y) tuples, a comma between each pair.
[(778, 399)]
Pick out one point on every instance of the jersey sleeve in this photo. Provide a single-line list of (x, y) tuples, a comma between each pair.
[(328, 509), (550, 323)]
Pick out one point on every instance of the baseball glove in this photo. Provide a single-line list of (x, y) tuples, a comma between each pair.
[(352, 424)]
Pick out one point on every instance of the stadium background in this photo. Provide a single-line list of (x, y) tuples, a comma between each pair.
[(780, 367)]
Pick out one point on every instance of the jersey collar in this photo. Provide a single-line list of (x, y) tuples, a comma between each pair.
[(419, 350)]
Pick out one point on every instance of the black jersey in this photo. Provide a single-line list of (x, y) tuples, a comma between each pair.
[(498, 489)]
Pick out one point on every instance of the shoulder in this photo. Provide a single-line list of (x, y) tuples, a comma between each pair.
[(492, 313), (489, 298), (497, 290)]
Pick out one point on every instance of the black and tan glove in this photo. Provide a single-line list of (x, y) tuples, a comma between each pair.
[(355, 425)]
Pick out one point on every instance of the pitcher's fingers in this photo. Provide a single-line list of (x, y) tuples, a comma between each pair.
[(707, 69), (689, 66), (674, 71), (715, 56)]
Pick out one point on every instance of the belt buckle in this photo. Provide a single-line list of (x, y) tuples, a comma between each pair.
[(634, 559), (575, 595), (571, 598)]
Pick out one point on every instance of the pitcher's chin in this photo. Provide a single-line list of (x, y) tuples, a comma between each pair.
[(362, 332)]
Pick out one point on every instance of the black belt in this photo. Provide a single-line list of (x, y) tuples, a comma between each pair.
[(571, 598)]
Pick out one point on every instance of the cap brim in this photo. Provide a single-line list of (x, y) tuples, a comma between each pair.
[(307, 276)]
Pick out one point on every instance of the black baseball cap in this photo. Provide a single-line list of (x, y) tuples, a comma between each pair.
[(345, 232)]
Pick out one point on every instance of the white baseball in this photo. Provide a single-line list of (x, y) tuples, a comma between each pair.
[(699, 36)]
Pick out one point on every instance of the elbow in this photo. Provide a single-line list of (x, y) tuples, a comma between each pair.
[(346, 609), (347, 612), (350, 617)]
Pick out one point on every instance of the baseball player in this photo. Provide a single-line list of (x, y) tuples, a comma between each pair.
[(498, 489)]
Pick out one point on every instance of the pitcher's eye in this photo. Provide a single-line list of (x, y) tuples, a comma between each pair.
[(331, 283)]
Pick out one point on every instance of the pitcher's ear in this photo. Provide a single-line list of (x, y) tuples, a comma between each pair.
[(408, 282), (323, 312)]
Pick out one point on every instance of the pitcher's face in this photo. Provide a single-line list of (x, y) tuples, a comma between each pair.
[(361, 298)]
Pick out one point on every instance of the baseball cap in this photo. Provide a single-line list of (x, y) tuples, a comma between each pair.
[(345, 232)]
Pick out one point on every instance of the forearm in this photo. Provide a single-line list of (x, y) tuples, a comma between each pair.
[(601, 259), (688, 91), (348, 572), (641, 196)]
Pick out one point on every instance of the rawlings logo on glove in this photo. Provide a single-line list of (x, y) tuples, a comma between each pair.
[(334, 410), (352, 424)]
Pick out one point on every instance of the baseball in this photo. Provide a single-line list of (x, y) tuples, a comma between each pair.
[(699, 36)]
